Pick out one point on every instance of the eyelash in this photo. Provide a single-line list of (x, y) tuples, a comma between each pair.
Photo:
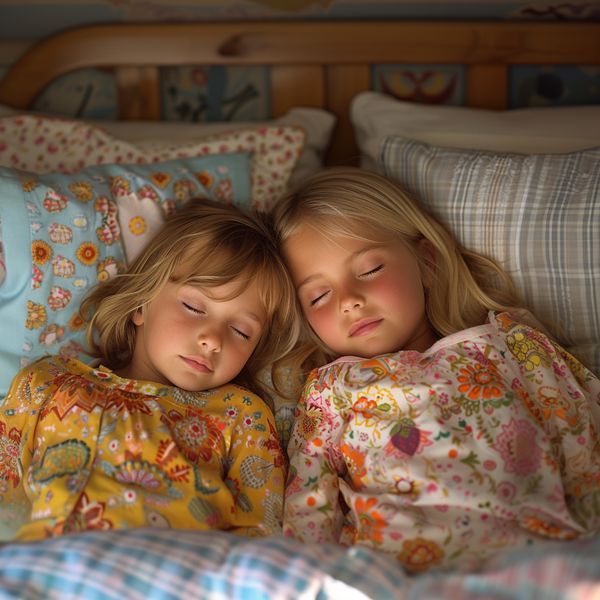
[(366, 275), (372, 271), (316, 300), (236, 331), (196, 311), (241, 334)]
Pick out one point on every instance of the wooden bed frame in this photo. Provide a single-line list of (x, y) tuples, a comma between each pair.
[(317, 63)]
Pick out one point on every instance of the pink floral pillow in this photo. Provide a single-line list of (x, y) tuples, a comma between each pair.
[(42, 144)]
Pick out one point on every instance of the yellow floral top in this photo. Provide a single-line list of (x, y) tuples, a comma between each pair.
[(82, 448)]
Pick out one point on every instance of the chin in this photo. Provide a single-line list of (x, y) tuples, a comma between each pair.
[(371, 350), (196, 386)]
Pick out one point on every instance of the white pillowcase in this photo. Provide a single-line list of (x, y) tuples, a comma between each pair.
[(546, 130)]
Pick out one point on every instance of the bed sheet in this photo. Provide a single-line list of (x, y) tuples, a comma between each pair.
[(166, 564)]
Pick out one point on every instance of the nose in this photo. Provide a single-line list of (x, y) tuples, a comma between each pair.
[(210, 341), (350, 300)]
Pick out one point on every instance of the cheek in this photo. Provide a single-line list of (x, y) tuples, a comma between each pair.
[(406, 286), (322, 321), (388, 290)]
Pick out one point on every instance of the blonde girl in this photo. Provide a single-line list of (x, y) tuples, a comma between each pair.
[(167, 429), (446, 428)]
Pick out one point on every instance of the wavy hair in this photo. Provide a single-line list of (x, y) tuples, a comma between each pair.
[(359, 203), (205, 244)]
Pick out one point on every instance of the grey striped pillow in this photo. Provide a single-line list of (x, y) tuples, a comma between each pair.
[(537, 214)]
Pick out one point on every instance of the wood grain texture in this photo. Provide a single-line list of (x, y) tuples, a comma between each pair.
[(314, 63)]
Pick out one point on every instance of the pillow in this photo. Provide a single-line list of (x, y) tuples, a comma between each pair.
[(42, 144), (63, 233), (317, 125), (528, 130), (152, 135), (538, 215)]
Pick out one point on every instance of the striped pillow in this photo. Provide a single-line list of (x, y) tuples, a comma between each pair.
[(538, 215)]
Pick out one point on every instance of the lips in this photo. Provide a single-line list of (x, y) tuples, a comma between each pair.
[(364, 326), (198, 363)]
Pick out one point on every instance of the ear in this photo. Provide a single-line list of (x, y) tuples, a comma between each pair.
[(428, 255), (138, 317)]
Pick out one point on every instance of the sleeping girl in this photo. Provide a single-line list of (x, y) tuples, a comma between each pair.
[(442, 423), (167, 429)]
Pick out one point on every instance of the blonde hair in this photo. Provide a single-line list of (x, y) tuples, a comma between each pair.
[(352, 201), (205, 244)]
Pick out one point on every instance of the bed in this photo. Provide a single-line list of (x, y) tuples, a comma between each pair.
[(522, 185)]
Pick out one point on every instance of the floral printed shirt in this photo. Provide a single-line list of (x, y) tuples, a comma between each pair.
[(486, 441), (82, 448)]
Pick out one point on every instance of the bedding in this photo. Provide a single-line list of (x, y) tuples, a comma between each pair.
[(44, 144), (537, 214), (316, 123), (545, 130), (163, 564)]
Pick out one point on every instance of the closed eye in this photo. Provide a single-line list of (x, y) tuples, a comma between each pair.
[(318, 299), (192, 309), (371, 272), (240, 333)]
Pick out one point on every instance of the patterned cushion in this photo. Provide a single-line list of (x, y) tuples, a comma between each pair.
[(539, 215), (63, 233), (43, 144)]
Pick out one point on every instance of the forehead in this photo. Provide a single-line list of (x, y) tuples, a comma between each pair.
[(310, 253), (310, 240)]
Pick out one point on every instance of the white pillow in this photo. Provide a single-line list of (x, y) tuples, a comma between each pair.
[(546, 130), (156, 135)]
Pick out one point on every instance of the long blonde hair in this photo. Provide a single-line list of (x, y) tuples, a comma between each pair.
[(352, 201), (205, 244)]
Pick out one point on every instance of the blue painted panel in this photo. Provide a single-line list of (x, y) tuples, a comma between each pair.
[(89, 93), (215, 93), (561, 85)]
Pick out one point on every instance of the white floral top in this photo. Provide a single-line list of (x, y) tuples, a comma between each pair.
[(489, 440)]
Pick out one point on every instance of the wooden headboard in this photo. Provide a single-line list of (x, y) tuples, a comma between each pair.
[(317, 63)]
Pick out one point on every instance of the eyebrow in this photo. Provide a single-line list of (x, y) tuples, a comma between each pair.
[(354, 255)]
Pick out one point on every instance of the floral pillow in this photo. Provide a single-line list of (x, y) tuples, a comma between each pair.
[(63, 233), (51, 144)]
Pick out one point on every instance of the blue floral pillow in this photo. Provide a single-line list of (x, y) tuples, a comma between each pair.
[(64, 233)]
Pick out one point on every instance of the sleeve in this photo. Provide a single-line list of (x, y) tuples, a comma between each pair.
[(256, 471), (18, 419), (563, 396), (312, 510)]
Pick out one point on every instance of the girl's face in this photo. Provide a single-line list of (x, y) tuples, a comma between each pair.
[(360, 298), (193, 340)]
